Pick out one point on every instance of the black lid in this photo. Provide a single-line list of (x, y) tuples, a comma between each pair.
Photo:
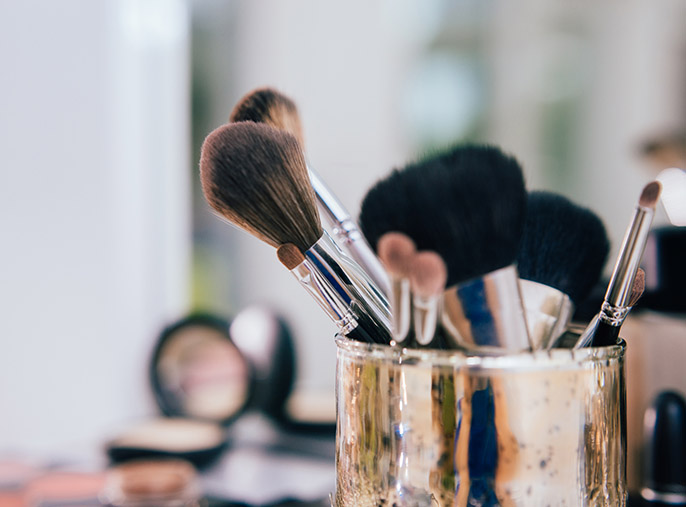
[(665, 446)]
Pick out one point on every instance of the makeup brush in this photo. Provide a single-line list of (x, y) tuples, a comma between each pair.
[(561, 257), (468, 205), (428, 274), (267, 105), (396, 251), (637, 288), (254, 176), (617, 302)]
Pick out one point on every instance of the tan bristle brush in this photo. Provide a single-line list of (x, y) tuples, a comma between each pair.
[(267, 105), (428, 276), (254, 175), (396, 251)]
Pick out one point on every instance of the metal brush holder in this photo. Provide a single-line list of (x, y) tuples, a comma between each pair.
[(442, 428)]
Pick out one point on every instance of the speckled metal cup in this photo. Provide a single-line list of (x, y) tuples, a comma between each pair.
[(440, 428)]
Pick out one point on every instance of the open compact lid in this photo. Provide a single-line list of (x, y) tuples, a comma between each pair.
[(201, 382), (197, 372)]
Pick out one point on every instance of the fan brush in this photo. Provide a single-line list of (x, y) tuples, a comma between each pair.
[(267, 105), (468, 205), (561, 257), (254, 175)]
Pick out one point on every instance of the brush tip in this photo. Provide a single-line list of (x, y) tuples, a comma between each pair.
[(638, 287), (428, 275), (289, 255), (396, 251), (255, 176), (650, 195), (267, 105)]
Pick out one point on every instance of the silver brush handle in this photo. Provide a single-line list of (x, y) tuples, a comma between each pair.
[(629, 260), (548, 312), (329, 295), (487, 313), (346, 232), (425, 312), (400, 305), (348, 273)]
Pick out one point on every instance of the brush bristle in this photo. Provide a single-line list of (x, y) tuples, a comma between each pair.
[(466, 204), (428, 274), (638, 287), (267, 105), (563, 245), (289, 255), (396, 251), (650, 195), (254, 175)]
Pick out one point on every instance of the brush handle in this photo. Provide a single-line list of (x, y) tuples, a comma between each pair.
[(425, 313), (629, 259), (401, 309), (347, 233), (351, 287), (357, 281), (548, 312), (487, 312), (603, 330)]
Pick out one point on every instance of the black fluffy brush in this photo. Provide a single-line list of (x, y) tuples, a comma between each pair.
[(561, 258), (254, 175), (467, 204), (267, 105)]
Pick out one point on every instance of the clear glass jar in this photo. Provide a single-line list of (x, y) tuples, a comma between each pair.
[(428, 427)]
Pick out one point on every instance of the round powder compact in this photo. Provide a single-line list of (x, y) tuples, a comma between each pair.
[(148, 483)]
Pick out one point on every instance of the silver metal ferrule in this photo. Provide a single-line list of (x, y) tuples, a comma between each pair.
[(619, 289), (346, 232), (401, 308), (613, 315), (548, 312), (345, 273), (331, 296), (425, 311), (487, 312)]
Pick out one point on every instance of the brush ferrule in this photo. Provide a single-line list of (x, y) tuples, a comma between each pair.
[(613, 315), (400, 303), (619, 290), (346, 232), (425, 312), (330, 295), (350, 281), (548, 312), (487, 312), (333, 209)]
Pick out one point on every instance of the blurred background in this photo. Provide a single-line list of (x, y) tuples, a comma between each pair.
[(104, 106)]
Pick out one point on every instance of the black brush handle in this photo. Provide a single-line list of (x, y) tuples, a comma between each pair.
[(605, 335)]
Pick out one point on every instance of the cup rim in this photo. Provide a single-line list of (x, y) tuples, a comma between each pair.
[(561, 358)]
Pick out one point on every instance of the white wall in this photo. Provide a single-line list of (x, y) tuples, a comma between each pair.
[(93, 211)]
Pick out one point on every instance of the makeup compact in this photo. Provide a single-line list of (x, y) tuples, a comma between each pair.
[(153, 483), (205, 372), (202, 382)]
